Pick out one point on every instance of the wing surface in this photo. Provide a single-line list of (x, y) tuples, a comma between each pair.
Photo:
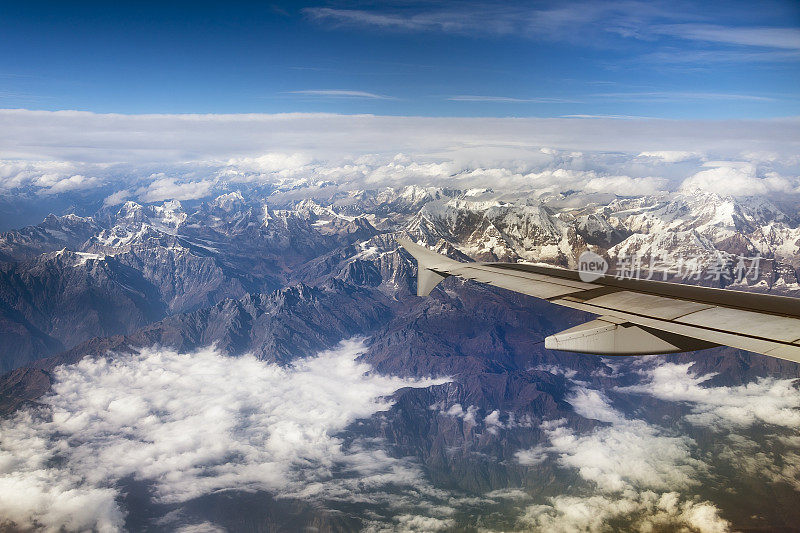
[(635, 316)]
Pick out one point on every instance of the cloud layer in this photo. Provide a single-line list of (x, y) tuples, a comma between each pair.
[(157, 157), (192, 424), (137, 139)]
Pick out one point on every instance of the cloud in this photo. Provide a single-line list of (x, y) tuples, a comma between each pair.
[(626, 186), (639, 512), (189, 156), (193, 424), (629, 454), (507, 99), (169, 189), (662, 96), (274, 167), (766, 37), (423, 523), (340, 93), (765, 401), (586, 23), (732, 180), (671, 156), (117, 198), (54, 184), (763, 459), (769, 404), (493, 422), (616, 117), (637, 472), (41, 174), (467, 415), (702, 58), (203, 527), (458, 21), (177, 139), (593, 24), (532, 456)]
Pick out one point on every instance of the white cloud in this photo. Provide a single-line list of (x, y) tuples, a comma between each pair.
[(626, 186), (668, 156), (467, 415), (342, 93), (175, 139), (637, 470), (667, 96), (593, 404), (117, 198), (41, 174), (557, 370), (717, 55), (532, 456), (781, 38), (54, 184), (506, 99), (585, 23), (272, 162), (423, 523), (647, 511), (170, 189), (203, 527), (186, 156), (737, 179), (761, 459), (192, 424), (765, 401), (628, 454)]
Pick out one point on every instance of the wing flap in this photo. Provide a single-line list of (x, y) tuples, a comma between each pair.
[(772, 327), (648, 304), (536, 286)]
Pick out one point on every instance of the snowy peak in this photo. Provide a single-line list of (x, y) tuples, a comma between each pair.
[(711, 215), (228, 202), (54, 233)]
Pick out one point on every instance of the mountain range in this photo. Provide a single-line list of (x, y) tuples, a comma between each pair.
[(507, 436)]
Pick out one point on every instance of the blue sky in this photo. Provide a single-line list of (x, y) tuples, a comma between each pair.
[(533, 59)]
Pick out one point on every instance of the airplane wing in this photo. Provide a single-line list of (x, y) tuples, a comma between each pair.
[(636, 317)]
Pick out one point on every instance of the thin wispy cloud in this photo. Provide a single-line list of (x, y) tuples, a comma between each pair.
[(627, 19), (509, 100), (704, 58), (499, 20), (784, 38), (341, 93), (555, 23), (676, 96), (595, 24), (617, 117)]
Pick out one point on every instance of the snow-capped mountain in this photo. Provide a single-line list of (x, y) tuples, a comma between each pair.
[(190, 257)]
